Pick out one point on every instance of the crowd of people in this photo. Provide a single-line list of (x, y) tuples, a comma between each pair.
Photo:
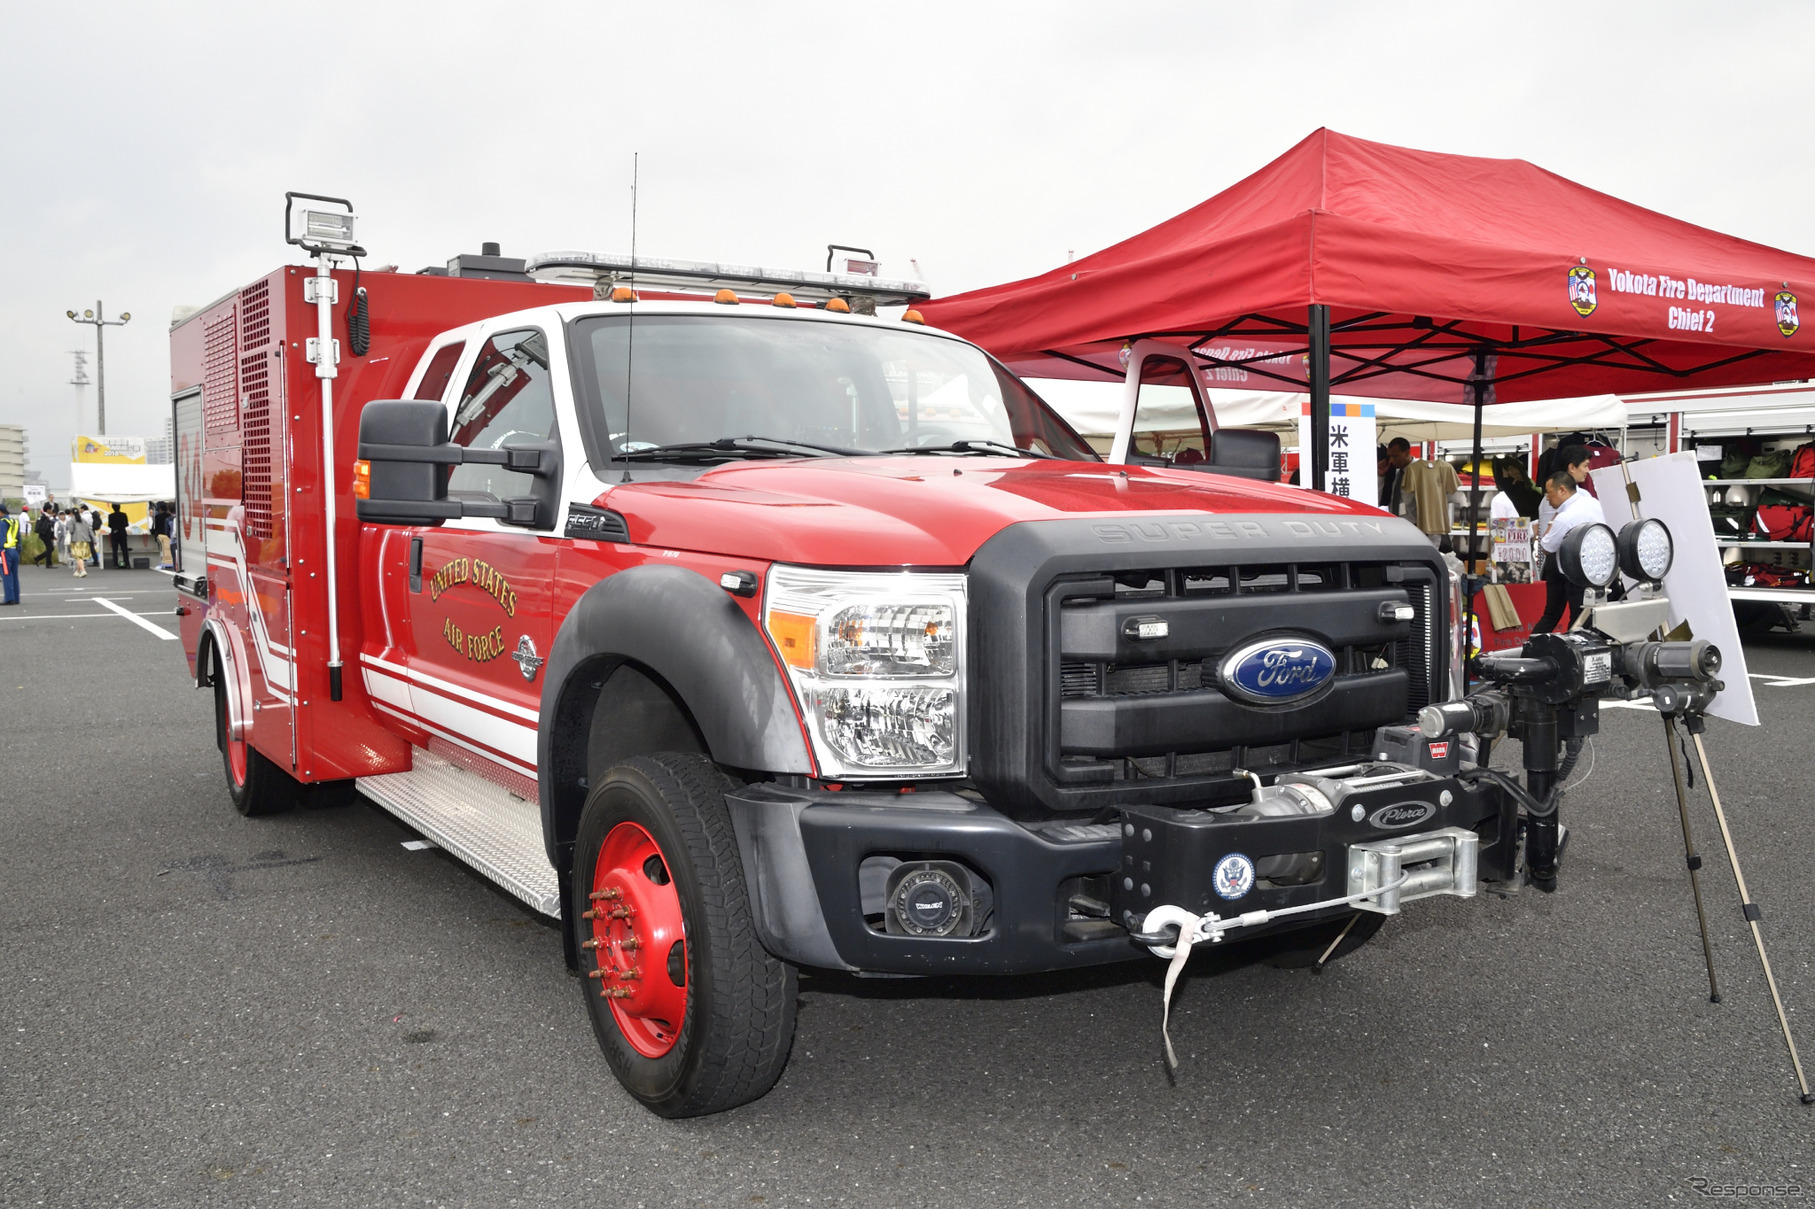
[(74, 536), (1422, 490)]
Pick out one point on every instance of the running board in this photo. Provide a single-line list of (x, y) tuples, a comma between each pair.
[(481, 824)]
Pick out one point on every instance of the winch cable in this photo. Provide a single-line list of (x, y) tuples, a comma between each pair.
[(1195, 928)]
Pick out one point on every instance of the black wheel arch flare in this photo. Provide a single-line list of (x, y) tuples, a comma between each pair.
[(678, 626)]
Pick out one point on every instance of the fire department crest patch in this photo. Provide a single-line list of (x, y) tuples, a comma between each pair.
[(1581, 290), (1787, 322)]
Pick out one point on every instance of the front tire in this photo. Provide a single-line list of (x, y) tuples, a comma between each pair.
[(693, 1014)]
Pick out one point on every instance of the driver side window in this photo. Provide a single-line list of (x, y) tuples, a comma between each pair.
[(508, 400), (1167, 421)]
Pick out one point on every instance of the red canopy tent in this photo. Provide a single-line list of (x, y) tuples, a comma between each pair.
[(1377, 270)]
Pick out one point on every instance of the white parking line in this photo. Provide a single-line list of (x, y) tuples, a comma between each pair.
[(134, 618), (66, 616), (1782, 681)]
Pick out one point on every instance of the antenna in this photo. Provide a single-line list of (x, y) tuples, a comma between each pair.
[(630, 337)]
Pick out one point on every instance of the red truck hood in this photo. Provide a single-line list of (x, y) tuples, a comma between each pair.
[(924, 511)]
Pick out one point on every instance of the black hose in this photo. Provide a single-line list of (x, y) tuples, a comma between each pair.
[(359, 318), (1532, 805), (1572, 751)]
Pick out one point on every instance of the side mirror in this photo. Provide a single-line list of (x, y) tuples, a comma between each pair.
[(404, 454)]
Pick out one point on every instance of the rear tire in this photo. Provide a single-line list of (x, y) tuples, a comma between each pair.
[(256, 785), (703, 1023)]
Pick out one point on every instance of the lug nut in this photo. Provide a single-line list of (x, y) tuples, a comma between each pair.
[(634, 972), (608, 892), (589, 914), (616, 992), (621, 913), (631, 943), (590, 944)]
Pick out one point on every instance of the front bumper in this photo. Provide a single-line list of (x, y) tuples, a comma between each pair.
[(804, 853)]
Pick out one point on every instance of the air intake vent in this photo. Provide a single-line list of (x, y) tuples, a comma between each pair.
[(255, 407), (220, 372)]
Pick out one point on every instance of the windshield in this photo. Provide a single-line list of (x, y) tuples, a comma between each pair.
[(799, 389)]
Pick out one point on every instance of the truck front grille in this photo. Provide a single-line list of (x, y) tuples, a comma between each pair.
[(1115, 718)]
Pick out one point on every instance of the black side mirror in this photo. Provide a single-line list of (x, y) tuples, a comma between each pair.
[(404, 445)]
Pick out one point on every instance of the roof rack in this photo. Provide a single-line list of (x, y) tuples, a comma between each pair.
[(603, 271)]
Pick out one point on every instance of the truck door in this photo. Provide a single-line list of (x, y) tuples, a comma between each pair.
[(480, 610)]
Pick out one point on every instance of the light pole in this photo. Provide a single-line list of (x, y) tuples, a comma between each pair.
[(98, 320)]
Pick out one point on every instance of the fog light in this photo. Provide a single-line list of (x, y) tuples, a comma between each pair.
[(931, 899)]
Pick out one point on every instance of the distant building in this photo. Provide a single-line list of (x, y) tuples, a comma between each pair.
[(15, 447), (161, 451)]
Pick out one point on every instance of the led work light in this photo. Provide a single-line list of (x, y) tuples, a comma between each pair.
[(1646, 550), (1589, 556)]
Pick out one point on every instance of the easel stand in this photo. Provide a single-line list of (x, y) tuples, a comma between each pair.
[(1695, 724)]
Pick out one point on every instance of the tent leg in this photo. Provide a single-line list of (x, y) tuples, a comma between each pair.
[(1478, 389), (1319, 452)]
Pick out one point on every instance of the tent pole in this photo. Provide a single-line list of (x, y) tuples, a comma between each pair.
[(1478, 388), (1320, 398)]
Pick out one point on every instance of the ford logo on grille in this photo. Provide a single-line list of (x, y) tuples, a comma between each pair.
[(1275, 671)]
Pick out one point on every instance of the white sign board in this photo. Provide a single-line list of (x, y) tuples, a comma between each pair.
[(1670, 490), (1350, 469), (35, 494)]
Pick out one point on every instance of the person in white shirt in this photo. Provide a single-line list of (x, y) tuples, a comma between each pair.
[(1574, 508)]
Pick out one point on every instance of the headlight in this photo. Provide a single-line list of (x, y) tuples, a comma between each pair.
[(1646, 550), (1588, 556), (877, 661)]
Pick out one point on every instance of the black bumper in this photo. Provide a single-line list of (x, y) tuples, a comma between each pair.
[(802, 851)]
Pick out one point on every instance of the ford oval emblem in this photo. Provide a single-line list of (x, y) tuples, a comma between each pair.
[(1275, 671), (1401, 814)]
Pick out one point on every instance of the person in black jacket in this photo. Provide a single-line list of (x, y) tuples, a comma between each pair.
[(116, 539), (46, 529)]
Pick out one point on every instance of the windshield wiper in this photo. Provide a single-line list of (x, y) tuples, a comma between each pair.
[(752, 446), (977, 446)]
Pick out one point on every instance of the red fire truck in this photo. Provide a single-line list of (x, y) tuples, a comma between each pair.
[(740, 629)]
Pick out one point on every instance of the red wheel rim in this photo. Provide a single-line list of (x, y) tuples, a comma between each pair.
[(639, 940), (236, 760)]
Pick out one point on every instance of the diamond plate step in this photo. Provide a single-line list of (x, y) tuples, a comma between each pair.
[(495, 832)]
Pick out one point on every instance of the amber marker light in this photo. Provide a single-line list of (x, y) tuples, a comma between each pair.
[(913, 317), (623, 293), (362, 480), (782, 300), (796, 637), (839, 305), (728, 297)]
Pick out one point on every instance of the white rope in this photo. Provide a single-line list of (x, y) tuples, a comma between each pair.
[(1193, 929)]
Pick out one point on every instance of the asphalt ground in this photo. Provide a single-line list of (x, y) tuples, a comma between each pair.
[(200, 1009)]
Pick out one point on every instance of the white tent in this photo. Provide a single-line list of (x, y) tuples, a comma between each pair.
[(121, 483), (1093, 407)]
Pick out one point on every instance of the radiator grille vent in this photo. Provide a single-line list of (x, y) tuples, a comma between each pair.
[(220, 372), (255, 316), (255, 399)]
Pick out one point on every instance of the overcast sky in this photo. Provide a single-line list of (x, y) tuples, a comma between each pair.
[(148, 146)]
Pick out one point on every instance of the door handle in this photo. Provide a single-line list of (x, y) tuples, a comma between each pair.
[(415, 564)]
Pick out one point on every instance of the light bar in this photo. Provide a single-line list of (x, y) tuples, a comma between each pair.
[(605, 270)]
